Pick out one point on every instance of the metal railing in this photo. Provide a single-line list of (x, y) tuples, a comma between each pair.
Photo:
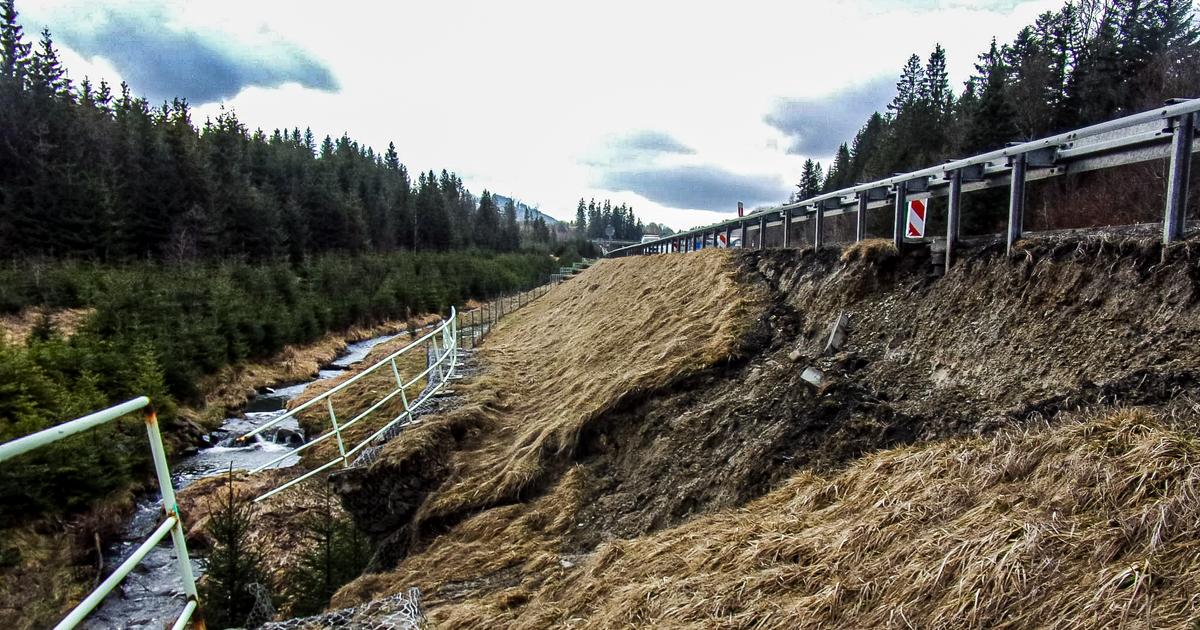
[(172, 523), (436, 369), (1166, 132), (477, 322)]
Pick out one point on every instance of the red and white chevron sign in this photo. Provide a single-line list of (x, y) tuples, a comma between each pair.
[(916, 218)]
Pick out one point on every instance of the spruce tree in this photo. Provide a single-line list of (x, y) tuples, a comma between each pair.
[(233, 563)]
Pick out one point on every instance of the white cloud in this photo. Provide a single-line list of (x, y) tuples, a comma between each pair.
[(516, 96)]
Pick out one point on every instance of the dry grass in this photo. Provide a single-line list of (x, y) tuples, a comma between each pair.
[(1091, 524), (15, 328), (615, 331), (275, 526), (869, 250), (620, 329), (233, 385), (359, 396), (48, 568)]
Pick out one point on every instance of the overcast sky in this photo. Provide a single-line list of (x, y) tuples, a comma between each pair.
[(681, 109)]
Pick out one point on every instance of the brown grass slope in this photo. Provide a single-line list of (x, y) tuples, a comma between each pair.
[(622, 328), (1090, 524), (998, 341)]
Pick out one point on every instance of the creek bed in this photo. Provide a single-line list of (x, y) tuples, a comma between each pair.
[(152, 595)]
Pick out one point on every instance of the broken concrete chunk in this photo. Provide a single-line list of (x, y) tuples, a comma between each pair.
[(837, 335), (813, 376)]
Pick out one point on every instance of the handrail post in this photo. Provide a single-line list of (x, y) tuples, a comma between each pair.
[(337, 431), (1175, 216), (1016, 201), (952, 215), (171, 508)]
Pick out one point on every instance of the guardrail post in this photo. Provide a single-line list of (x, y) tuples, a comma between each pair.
[(900, 218), (860, 218), (1175, 216), (1016, 201), (818, 225), (171, 508), (952, 215), (337, 431), (786, 215), (762, 231)]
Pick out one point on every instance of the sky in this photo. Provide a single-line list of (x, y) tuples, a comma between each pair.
[(680, 109)]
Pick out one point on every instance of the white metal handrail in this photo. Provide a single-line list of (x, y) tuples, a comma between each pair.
[(447, 331), (172, 522)]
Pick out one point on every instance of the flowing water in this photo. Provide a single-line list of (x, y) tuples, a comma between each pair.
[(152, 595)]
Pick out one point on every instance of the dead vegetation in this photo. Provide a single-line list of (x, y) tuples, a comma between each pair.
[(231, 386), (360, 396), (1092, 523), (15, 328), (649, 516)]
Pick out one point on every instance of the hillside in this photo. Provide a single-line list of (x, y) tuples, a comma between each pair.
[(665, 464), (534, 213)]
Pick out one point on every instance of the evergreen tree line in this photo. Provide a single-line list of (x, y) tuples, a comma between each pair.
[(593, 220), (1092, 60), (156, 330), (91, 172)]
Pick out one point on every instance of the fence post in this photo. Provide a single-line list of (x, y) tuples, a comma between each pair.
[(901, 203), (860, 219), (1175, 217), (171, 508), (1016, 201), (337, 431), (952, 215)]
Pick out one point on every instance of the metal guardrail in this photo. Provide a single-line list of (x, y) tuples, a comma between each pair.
[(1165, 132), (448, 352), (172, 522)]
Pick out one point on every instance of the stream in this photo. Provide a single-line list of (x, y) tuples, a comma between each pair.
[(152, 595)]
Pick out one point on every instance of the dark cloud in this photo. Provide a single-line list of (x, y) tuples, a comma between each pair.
[(816, 126), (652, 142), (696, 187), (161, 62)]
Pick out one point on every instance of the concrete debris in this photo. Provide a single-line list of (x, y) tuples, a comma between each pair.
[(837, 334), (813, 375)]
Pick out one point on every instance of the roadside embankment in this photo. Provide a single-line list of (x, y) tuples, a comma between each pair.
[(973, 437)]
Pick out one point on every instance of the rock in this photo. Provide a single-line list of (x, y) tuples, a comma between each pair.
[(566, 564), (794, 356)]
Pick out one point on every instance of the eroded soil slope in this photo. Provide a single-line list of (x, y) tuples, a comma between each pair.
[(504, 512)]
